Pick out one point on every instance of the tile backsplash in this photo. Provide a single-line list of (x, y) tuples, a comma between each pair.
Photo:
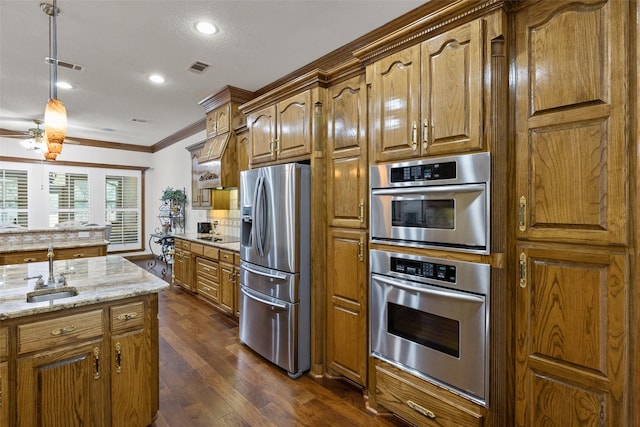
[(228, 220)]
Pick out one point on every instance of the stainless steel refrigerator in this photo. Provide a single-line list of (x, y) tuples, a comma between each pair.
[(275, 284)]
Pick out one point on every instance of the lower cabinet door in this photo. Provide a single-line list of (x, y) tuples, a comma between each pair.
[(131, 364), (64, 387), (4, 391)]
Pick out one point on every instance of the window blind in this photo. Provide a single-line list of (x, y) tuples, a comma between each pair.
[(68, 198), (123, 209), (13, 197)]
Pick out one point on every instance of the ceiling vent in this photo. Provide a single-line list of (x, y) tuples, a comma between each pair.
[(64, 64), (198, 67)]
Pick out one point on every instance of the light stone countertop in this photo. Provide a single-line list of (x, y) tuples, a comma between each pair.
[(97, 279), (231, 243)]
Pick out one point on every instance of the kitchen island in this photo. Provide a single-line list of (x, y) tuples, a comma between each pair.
[(89, 359)]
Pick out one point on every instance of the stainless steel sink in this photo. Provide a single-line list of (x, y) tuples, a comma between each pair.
[(42, 295)]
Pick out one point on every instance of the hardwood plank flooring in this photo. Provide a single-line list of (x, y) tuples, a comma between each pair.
[(208, 378)]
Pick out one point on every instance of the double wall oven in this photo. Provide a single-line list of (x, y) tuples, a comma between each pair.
[(430, 314)]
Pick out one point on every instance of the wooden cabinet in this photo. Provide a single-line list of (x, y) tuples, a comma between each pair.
[(200, 197), (95, 366), (227, 282), (421, 402), (182, 268), (347, 196), (5, 397), (281, 131), (347, 343), (131, 366), (60, 378), (429, 99), (572, 337), (347, 166), (24, 257), (572, 181), (218, 121), (208, 278)]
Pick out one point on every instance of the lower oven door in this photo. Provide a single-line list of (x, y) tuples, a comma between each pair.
[(270, 327), (437, 332)]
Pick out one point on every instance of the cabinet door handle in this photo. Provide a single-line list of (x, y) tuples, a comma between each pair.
[(425, 134), (118, 358), (361, 249), (128, 316), (271, 144), (414, 135), (278, 146), (421, 410), (361, 211), (522, 220), (64, 330), (96, 363), (523, 270)]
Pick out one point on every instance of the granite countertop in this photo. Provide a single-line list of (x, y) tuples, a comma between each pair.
[(231, 243), (97, 279)]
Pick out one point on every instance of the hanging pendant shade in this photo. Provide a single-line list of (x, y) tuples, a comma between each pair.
[(55, 114), (55, 128)]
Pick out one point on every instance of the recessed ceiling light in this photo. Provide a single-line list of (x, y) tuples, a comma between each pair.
[(206, 28), (64, 85), (156, 78)]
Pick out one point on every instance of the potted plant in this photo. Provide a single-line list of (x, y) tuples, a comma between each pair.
[(171, 196)]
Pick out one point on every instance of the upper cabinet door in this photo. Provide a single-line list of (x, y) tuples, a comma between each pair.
[(571, 83), (452, 91), (347, 185), (294, 126), (218, 121), (262, 131), (395, 105)]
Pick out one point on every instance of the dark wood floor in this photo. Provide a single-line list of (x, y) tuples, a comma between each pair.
[(207, 378)]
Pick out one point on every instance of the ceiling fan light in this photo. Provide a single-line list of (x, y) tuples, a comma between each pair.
[(55, 128)]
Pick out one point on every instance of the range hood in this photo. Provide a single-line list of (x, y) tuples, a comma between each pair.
[(217, 163)]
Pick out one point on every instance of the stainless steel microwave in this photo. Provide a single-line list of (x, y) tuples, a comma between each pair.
[(437, 202)]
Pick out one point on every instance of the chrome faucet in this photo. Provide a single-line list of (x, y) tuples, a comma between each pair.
[(50, 254)]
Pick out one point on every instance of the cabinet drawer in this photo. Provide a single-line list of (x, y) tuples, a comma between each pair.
[(64, 330), (72, 253), (209, 289), (24, 257), (405, 396), (127, 316), (207, 269), (181, 244), (197, 248), (226, 256), (4, 350), (211, 252)]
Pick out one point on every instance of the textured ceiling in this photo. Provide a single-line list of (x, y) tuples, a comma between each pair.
[(119, 43)]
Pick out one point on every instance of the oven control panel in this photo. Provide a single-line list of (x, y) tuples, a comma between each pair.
[(429, 270), (424, 172)]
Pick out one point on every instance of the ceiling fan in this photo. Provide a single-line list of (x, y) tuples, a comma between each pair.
[(31, 139)]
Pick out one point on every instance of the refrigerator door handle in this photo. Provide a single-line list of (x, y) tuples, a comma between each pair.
[(263, 301), (262, 273), (256, 232)]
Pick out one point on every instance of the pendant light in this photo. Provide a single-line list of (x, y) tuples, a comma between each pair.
[(55, 114)]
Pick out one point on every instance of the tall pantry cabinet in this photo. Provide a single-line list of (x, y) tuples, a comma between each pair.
[(573, 189), (347, 201)]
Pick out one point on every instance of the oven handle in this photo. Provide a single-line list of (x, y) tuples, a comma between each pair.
[(262, 273), (402, 284), (264, 301), (397, 191)]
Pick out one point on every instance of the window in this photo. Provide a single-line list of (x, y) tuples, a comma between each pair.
[(13, 197), (68, 198), (122, 203)]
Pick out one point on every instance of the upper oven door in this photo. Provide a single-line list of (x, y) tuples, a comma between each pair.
[(453, 216)]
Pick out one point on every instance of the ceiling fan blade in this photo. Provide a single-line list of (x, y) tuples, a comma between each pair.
[(7, 133)]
